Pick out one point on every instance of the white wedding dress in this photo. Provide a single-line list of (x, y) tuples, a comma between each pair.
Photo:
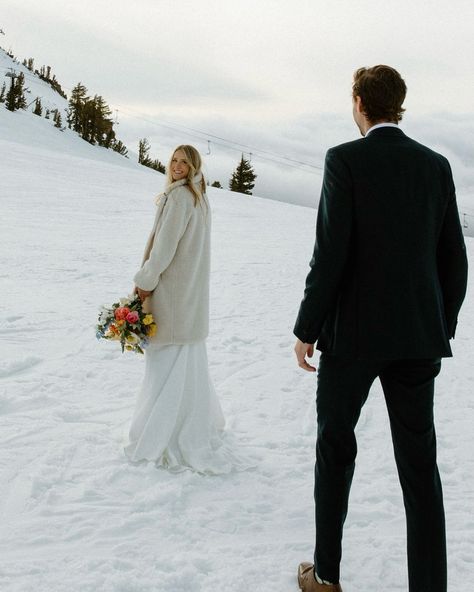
[(178, 422)]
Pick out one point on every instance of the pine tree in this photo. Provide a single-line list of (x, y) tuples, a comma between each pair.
[(38, 110), (57, 119), (216, 184), (144, 157), (15, 97), (20, 98), (87, 121), (29, 63), (109, 139), (91, 119), (119, 147), (45, 74), (76, 104), (102, 131), (144, 152), (10, 96), (3, 92), (157, 166), (243, 177)]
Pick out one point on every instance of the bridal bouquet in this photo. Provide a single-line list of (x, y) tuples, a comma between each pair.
[(126, 322)]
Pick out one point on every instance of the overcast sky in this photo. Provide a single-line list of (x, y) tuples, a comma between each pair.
[(270, 75)]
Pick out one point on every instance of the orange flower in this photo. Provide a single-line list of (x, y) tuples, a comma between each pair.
[(121, 313)]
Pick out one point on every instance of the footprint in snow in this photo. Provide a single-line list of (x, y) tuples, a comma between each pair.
[(9, 368)]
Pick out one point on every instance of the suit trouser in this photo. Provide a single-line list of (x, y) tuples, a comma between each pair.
[(408, 386)]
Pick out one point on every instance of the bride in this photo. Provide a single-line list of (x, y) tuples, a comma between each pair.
[(178, 421)]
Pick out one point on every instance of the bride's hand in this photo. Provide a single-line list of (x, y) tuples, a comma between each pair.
[(142, 294)]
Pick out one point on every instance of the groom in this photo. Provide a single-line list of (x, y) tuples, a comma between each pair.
[(387, 280)]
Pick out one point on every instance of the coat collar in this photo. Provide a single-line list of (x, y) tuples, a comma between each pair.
[(169, 188), (196, 180)]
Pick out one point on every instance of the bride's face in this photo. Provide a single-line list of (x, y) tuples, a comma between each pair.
[(179, 166)]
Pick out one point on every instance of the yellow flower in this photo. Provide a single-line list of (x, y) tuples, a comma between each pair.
[(152, 330), (148, 319), (132, 338)]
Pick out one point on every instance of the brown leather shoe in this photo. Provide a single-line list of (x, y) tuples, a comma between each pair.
[(308, 583)]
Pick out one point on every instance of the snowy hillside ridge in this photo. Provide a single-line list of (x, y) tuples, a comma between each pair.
[(50, 99), (76, 516), (89, 117)]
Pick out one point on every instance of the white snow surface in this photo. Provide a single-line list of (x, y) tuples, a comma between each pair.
[(76, 516)]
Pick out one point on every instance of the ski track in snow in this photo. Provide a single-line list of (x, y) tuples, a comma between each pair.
[(75, 515)]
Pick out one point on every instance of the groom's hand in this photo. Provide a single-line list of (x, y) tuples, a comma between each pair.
[(302, 350)]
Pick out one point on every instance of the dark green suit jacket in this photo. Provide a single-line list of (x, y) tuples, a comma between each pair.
[(389, 269)]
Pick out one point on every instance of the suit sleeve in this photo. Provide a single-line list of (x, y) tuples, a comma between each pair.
[(452, 261), (331, 249), (176, 216)]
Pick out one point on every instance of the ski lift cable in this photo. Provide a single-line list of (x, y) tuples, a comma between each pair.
[(230, 144), (203, 135), (250, 148)]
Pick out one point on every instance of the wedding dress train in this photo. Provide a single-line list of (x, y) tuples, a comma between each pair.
[(178, 421)]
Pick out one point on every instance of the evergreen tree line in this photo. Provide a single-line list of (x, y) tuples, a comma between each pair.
[(55, 113), (144, 157), (15, 98), (90, 117), (45, 74), (241, 181)]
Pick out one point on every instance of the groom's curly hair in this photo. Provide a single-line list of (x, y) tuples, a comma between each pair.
[(382, 91)]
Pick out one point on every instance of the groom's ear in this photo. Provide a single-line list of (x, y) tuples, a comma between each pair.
[(358, 105)]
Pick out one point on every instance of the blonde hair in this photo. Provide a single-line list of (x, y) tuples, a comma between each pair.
[(194, 162)]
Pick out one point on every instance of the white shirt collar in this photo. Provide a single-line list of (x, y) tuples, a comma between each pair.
[(377, 125)]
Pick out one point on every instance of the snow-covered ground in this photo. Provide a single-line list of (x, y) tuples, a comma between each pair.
[(75, 515)]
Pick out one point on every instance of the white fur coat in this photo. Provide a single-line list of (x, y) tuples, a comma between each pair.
[(176, 266)]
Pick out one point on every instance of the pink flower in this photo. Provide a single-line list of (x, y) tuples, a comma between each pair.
[(132, 316), (121, 313)]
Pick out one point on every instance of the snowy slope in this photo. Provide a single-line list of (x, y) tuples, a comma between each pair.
[(76, 516), (34, 86)]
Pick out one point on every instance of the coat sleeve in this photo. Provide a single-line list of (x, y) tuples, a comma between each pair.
[(452, 260), (175, 218), (331, 249)]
